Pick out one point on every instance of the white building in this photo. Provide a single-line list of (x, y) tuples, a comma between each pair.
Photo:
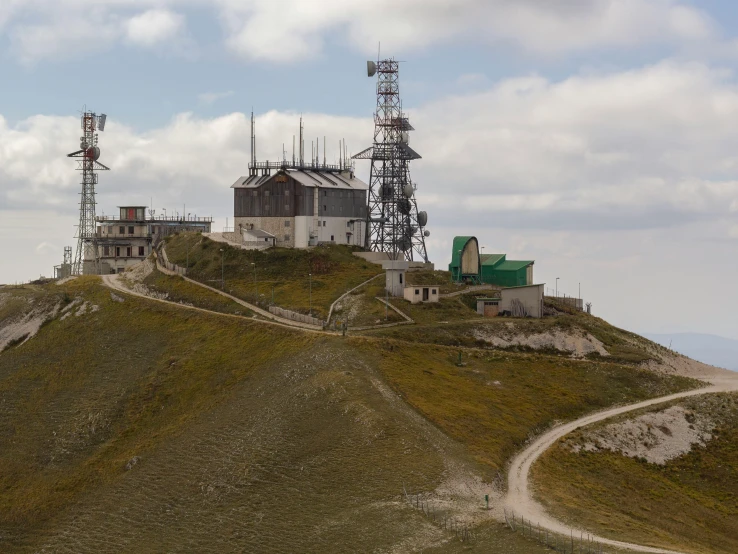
[(301, 207)]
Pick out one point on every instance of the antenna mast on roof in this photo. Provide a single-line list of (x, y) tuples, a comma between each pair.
[(253, 143)]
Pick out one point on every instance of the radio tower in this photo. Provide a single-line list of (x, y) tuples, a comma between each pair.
[(88, 155), (394, 224)]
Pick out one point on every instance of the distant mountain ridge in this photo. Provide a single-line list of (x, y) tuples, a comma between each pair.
[(709, 349)]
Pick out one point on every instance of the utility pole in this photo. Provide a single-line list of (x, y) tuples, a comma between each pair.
[(557, 287), (222, 271), (256, 286), (310, 276)]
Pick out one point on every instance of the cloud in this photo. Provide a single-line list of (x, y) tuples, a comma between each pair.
[(294, 30), (212, 97), (153, 26)]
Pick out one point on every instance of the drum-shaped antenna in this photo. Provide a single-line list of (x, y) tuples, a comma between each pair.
[(371, 69)]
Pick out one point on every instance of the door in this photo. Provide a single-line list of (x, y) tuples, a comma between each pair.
[(425, 294), (491, 309)]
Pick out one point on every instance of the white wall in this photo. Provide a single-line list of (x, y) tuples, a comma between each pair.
[(531, 297)]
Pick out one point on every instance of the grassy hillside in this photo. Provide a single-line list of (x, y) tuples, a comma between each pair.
[(703, 484), (130, 425), (281, 272)]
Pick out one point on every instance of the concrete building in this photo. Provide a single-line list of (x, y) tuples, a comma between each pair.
[(126, 240), (395, 271), (301, 207), (467, 265), (415, 294), (522, 301)]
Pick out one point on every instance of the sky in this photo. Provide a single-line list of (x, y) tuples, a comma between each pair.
[(596, 137)]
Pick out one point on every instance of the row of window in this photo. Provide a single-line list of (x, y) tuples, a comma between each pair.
[(127, 249)]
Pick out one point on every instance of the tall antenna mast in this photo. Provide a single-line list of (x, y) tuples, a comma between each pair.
[(87, 257), (394, 224), (302, 145), (253, 143)]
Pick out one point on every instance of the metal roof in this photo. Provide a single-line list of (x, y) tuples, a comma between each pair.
[(308, 179), (259, 233), (492, 259), (511, 265), (459, 245)]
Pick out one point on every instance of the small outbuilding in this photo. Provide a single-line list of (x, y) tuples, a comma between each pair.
[(415, 294), (523, 301), (395, 276), (467, 265)]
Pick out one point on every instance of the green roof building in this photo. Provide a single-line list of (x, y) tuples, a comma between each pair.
[(492, 269)]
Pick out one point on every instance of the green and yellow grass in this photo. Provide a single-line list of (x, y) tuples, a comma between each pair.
[(689, 504), (280, 273)]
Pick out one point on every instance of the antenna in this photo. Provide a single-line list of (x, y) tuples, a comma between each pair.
[(253, 142), (302, 145), (325, 162), (88, 154), (293, 149)]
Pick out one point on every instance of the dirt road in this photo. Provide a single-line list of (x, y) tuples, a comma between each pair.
[(519, 496)]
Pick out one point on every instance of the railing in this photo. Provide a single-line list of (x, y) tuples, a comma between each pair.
[(158, 218)]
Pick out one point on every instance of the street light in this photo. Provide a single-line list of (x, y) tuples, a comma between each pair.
[(165, 212), (557, 287), (310, 276), (222, 271), (256, 286)]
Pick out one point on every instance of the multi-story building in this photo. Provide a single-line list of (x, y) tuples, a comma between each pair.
[(130, 238), (302, 206)]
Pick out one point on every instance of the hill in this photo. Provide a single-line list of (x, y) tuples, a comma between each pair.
[(129, 424), (710, 349)]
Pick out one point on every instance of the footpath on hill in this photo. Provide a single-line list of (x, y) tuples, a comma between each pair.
[(519, 496)]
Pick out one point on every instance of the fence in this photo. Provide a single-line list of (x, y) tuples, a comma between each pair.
[(294, 316), (163, 260), (462, 531), (584, 544)]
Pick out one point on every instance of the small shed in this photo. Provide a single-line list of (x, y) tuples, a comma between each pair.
[(259, 236), (416, 294), (523, 301), (395, 276), (488, 307)]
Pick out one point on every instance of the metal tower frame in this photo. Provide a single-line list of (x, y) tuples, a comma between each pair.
[(394, 224), (88, 155)]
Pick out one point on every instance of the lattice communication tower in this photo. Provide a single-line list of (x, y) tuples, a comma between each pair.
[(394, 224), (87, 155)]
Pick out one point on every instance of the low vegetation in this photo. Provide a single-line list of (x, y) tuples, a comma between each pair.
[(299, 280), (689, 503)]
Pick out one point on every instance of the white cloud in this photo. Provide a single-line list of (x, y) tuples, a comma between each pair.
[(154, 26), (292, 30), (212, 97)]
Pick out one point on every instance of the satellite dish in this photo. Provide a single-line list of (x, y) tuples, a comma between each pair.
[(371, 69), (422, 218), (408, 190), (426, 234), (403, 206), (93, 152)]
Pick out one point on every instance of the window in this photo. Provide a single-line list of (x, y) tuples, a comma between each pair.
[(130, 229), (106, 251), (266, 193), (332, 239), (122, 230), (417, 291), (128, 251), (325, 208), (400, 278), (348, 224), (286, 238), (117, 251), (323, 223), (254, 193), (141, 251), (434, 291), (287, 207), (325, 193), (286, 222)]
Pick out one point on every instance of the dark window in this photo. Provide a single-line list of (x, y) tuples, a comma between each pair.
[(128, 251), (331, 238), (117, 251), (417, 291), (141, 251), (400, 278), (130, 229), (325, 208), (325, 193), (122, 230), (286, 222), (434, 291), (324, 224), (106, 251), (286, 237)]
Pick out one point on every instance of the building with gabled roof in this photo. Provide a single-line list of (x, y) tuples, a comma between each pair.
[(467, 264)]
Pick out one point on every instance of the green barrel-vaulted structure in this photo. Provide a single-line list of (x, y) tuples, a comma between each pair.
[(490, 269)]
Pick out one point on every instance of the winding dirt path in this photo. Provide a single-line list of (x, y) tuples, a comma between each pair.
[(519, 495)]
